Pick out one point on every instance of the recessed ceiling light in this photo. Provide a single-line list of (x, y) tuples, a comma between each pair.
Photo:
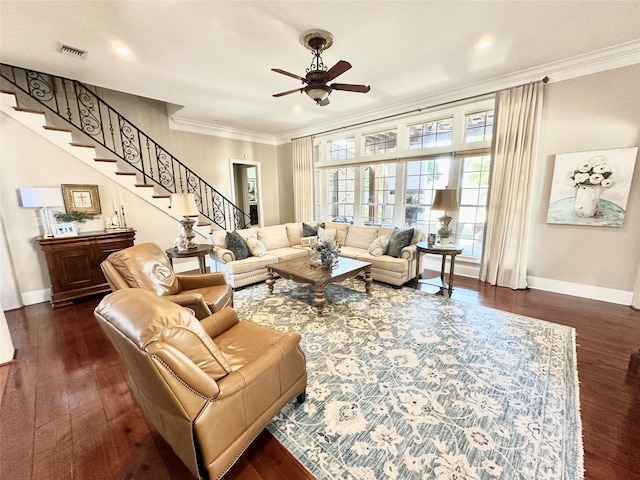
[(297, 108), (484, 42), (122, 51)]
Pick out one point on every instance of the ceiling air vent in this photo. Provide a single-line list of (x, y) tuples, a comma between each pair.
[(76, 52)]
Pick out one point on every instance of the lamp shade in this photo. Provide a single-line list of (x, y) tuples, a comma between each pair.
[(41, 197), (184, 204), (446, 200)]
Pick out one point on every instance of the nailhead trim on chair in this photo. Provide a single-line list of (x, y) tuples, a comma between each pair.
[(182, 382)]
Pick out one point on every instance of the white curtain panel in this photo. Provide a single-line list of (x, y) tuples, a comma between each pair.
[(519, 111), (303, 179)]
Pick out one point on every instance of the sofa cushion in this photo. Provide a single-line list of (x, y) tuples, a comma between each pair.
[(379, 246), (361, 237), (341, 230), (256, 247), (287, 253), (274, 237), (384, 262), (294, 232), (237, 245), (219, 238), (250, 264), (398, 240)]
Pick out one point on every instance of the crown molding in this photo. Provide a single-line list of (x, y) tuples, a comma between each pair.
[(610, 58), (194, 126)]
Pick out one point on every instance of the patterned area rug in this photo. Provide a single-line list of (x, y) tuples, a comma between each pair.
[(407, 385)]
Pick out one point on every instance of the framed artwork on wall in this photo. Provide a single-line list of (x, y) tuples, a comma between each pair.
[(81, 198), (591, 188)]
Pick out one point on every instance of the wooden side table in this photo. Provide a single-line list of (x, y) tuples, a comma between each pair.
[(423, 247), (201, 251)]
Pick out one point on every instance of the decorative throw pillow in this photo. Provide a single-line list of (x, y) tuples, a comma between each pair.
[(309, 231), (398, 240), (237, 245), (326, 235), (256, 247), (379, 246)]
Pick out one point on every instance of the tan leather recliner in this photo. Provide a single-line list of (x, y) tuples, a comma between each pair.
[(146, 266), (209, 387)]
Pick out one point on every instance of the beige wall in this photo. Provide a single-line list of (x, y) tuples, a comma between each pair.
[(285, 167), (593, 112)]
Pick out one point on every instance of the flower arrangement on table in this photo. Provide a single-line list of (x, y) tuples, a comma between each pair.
[(594, 172), (326, 256)]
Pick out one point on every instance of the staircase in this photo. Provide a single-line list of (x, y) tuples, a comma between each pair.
[(110, 144)]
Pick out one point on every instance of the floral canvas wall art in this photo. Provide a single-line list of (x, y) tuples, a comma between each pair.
[(591, 188)]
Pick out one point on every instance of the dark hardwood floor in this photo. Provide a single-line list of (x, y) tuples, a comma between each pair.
[(67, 412)]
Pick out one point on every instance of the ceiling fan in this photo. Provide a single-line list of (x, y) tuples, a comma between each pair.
[(317, 76)]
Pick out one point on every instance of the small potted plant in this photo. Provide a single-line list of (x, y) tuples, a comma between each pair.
[(326, 256), (76, 218), (445, 234)]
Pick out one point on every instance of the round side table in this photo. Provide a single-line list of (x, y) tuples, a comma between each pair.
[(201, 251), (452, 251)]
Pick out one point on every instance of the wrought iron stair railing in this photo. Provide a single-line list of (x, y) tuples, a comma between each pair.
[(78, 105)]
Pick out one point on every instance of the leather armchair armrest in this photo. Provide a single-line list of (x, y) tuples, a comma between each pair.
[(238, 380), (194, 301), (200, 280), (224, 255), (179, 371), (220, 321)]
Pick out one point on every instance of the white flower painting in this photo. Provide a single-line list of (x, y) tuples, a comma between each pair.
[(592, 188)]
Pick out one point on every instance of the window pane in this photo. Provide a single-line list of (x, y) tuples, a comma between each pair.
[(378, 143), (423, 178), (378, 193), (341, 194), (431, 134), (474, 185), (342, 149), (479, 126)]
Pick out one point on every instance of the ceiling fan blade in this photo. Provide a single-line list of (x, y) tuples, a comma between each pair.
[(348, 87), (324, 102), (292, 75), (282, 94), (338, 69)]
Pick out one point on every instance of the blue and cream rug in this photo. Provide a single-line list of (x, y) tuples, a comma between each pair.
[(406, 385)]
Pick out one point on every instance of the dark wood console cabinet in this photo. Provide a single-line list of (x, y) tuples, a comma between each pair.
[(74, 262)]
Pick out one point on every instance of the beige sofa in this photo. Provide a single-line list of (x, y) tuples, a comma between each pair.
[(283, 242)]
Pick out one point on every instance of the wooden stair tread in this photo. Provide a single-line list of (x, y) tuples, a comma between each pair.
[(28, 110), (7, 92), (56, 129), (162, 196), (107, 160), (83, 145), (125, 173), (142, 185)]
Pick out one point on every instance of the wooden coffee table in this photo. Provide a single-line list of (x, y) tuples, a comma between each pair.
[(300, 271)]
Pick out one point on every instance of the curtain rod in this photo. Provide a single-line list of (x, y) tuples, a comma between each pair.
[(417, 110)]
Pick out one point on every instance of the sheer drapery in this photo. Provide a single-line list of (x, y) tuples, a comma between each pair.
[(518, 115), (303, 179)]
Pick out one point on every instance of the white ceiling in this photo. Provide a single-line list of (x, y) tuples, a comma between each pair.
[(212, 59)]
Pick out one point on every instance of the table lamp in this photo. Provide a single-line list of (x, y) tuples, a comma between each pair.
[(184, 204), (43, 198), (445, 200)]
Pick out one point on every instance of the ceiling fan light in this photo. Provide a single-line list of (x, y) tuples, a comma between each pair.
[(317, 94)]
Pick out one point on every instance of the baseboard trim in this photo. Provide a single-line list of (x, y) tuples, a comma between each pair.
[(592, 292), (36, 296)]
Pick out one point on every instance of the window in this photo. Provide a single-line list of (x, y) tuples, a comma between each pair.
[(431, 134), (341, 192), (423, 178), (473, 189), (479, 126), (378, 143), (378, 193), (342, 149)]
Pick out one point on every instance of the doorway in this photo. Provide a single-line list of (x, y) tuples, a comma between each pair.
[(246, 189)]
